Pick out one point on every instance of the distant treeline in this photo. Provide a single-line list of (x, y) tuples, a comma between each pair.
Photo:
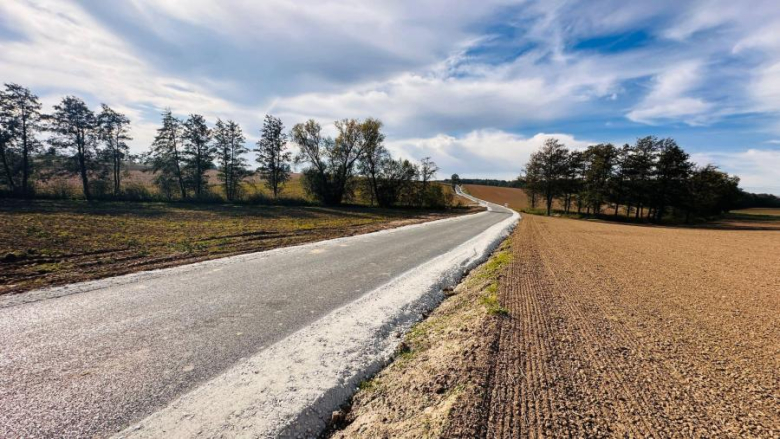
[(653, 178), (759, 200), (517, 183), (94, 147)]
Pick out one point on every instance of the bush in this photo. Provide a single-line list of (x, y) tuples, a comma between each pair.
[(137, 192)]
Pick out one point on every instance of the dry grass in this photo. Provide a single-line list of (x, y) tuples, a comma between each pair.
[(437, 365), (252, 186), (55, 242), (758, 211)]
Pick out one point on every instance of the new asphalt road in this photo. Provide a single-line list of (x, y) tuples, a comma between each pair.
[(111, 352)]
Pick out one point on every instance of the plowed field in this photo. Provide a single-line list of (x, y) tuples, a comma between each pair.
[(631, 331), (513, 197)]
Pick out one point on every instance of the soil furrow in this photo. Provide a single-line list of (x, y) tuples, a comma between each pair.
[(620, 330)]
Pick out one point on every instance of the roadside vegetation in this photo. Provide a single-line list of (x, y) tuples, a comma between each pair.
[(49, 155), (439, 366)]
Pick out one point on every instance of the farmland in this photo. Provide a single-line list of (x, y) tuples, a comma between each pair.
[(758, 211), (611, 330), (513, 197), (639, 331), (46, 243)]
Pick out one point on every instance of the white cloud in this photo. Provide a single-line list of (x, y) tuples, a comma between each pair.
[(65, 51), (766, 88), (406, 62), (758, 169), (480, 153), (669, 98)]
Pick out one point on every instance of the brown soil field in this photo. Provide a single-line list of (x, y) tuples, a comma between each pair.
[(45, 243), (513, 197), (631, 331), (611, 330)]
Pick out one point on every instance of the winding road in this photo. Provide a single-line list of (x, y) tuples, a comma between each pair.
[(92, 359)]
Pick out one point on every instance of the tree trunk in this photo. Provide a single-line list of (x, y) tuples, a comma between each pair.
[(83, 171), (7, 168), (25, 161), (117, 167), (199, 177)]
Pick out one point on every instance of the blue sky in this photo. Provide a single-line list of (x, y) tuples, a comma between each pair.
[(475, 85)]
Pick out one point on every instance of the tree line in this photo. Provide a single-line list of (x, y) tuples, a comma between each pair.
[(652, 179), (455, 179), (94, 147)]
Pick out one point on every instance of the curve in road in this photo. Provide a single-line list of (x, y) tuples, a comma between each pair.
[(109, 353)]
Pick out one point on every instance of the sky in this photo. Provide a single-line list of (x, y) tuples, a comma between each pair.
[(475, 85)]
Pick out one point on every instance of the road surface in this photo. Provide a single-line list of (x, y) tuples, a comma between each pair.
[(111, 352)]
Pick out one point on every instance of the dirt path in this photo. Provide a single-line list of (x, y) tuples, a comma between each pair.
[(618, 330)]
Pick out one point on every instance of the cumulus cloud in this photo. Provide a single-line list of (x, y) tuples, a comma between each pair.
[(480, 153), (450, 77), (66, 51), (758, 169)]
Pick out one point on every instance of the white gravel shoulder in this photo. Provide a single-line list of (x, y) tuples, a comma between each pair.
[(291, 388)]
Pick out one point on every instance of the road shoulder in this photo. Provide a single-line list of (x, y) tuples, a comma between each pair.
[(440, 368)]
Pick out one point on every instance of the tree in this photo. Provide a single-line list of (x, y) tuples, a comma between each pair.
[(548, 167), (375, 155), (75, 128), (115, 133), (8, 152), (573, 177), (24, 114), (671, 175), (394, 181), (601, 161), (198, 153), (455, 180), (166, 155), (329, 176), (638, 171), (532, 175), (428, 170), (230, 142), (272, 154)]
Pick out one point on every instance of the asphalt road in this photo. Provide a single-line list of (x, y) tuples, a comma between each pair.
[(90, 363)]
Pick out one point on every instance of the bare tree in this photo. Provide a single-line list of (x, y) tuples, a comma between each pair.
[(329, 176), (428, 170)]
